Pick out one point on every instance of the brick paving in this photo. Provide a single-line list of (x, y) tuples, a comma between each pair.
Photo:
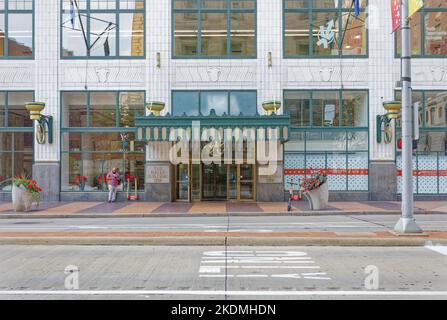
[(148, 208)]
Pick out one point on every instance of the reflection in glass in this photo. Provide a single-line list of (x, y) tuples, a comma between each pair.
[(20, 34), (354, 42), (130, 104), (18, 116), (2, 35), (298, 105), (131, 34), (214, 34), (326, 141), (131, 4), (296, 33), (436, 107), (436, 33), (214, 100), (2, 109), (325, 20), (325, 109), (103, 34), (185, 103), (243, 34), (15, 158), (243, 102), (182, 182), (19, 4), (74, 106), (73, 42), (355, 109), (103, 109), (185, 34)]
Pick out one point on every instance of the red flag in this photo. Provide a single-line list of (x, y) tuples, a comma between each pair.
[(395, 14)]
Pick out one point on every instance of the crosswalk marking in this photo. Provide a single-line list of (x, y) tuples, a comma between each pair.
[(266, 264)]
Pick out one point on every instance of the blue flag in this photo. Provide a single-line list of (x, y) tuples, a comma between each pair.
[(357, 7), (72, 14)]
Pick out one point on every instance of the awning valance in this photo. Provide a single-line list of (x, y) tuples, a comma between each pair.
[(174, 128)]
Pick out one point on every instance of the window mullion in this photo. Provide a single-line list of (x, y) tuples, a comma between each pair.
[(228, 28), (6, 39), (199, 28)]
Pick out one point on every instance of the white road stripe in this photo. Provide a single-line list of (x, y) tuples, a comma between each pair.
[(439, 249), (255, 261), (251, 267), (223, 293)]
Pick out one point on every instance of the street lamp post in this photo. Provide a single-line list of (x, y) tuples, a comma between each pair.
[(407, 223)]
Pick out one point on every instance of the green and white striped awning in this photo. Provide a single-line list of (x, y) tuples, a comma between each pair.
[(250, 128)]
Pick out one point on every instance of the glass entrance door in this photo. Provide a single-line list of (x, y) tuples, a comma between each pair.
[(247, 182), (214, 182)]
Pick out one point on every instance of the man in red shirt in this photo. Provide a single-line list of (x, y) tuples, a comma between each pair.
[(113, 180)]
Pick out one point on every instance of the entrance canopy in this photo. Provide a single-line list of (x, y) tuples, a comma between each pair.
[(174, 128)]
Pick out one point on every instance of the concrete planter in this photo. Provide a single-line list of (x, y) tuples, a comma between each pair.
[(22, 199), (318, 198)]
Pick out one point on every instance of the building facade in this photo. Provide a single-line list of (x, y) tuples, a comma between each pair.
[(97, 63)]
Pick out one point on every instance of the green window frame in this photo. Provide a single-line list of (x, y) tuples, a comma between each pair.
[(306, 7), (115, 153), (420, 36), (342, 115), (118, 10), (12, 132), (196, 8), (119, 123), (201, 93), (6, 11), (302, 136), (420, 182)]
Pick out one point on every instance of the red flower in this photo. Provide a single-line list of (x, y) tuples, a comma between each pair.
[(39, 189), (30, 186), (34, 182)]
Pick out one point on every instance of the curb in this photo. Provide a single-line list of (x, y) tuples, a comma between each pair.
[(232, 214), (220, 241)]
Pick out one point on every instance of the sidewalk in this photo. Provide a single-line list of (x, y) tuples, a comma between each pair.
[(151, 209)]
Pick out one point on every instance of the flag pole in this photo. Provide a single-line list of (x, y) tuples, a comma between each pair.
[(407, 223)]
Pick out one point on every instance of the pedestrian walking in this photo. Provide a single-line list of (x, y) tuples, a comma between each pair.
[(113, 180)]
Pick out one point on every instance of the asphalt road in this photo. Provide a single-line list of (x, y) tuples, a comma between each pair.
[(107, 272), (359, 223)]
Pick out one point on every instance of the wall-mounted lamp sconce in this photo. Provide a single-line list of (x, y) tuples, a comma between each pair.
[(270, 60), (45, 123), (158, 60), (393, 109)]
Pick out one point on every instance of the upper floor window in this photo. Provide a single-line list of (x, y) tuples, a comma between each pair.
[(103, 28), (234, 103), (324, 28), (214, 28), (13, 113), (16, 28), (428, 30), (327, 108), (101, 109)]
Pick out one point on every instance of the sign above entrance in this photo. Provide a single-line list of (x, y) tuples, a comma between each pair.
[(151, 128)]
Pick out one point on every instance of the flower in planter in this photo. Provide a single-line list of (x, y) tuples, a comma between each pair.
[(24, 182), (317, 179)]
